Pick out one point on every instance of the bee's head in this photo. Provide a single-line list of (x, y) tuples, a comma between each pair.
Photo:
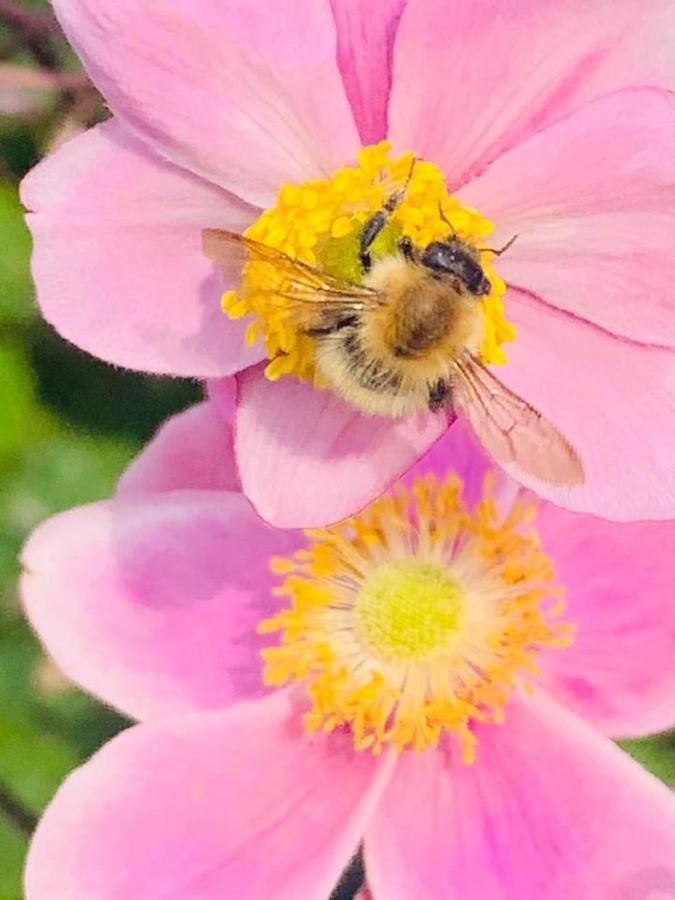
[(453, 257)]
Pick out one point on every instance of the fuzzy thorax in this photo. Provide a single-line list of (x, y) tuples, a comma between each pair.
[(320, 222), (418, 617)]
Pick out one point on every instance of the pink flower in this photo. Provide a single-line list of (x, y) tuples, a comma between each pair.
[(153, 601), (552, 118)]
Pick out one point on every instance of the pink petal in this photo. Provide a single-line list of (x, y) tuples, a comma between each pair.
[(473, 79), (613, 399), (592, 201), (152, 602), (619, 581), (366, 33), (118, 259), (247, 95), (459, 452), (192, 451), (550, 810), (214, 805), (306, 458)]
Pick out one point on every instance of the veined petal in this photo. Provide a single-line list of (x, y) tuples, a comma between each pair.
[(118, 260), (618, 581), (194, 450), (613, 399), (473, 79), (592, 201), (306, 458), (246, 94), (550, 809), (152, 601), (366, 33), (212, 805)]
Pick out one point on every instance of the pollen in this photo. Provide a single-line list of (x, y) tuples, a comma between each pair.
[(419, 617), (319, 222)]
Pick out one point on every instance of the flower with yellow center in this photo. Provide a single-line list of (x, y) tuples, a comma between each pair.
[(320, 222), (416, 618)]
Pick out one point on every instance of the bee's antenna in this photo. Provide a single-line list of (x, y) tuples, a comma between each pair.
[(502, 249), (443, 216)]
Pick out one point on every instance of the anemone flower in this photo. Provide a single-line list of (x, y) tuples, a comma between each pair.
[(551, 120), (436, 679)]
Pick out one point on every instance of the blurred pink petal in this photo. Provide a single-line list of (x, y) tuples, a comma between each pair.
[(248, 95), (613, 399), (458, 451), (473, 79), (192, 451), (153, 603), (306, 458), (618, 581), (118, 258), (592, 201), (214, 805), (366, 34), (550, 810)]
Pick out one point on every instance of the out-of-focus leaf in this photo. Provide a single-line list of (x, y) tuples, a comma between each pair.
[(33, 762), (19, 414), (16, 291), (656, 754)]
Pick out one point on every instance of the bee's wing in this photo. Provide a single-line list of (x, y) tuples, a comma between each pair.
[(511, 430), (310, 293)]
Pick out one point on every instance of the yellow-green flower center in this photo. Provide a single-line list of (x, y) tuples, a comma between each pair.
[(320, 222), (408, 609), (418, 617)]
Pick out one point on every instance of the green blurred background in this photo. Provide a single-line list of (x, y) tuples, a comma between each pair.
[(68, 427)]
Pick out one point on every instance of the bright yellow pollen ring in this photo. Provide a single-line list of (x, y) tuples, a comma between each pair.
[(408, 610), (419, 616), (320, 221)]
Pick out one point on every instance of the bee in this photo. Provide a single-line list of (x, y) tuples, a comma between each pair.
[(406, 339)]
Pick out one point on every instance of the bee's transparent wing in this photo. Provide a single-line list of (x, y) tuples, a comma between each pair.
[(303, 285), (511, 430)]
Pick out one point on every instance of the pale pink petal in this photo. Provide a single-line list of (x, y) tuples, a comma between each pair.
[(550, 810), (473, 79), (192, 451), (306, 458), (457, 451), (208, 806), (223, 392), (152, 602), (118, 260), (366, 33), (613, 399), (619, 582), (592, 200), (248, 95)]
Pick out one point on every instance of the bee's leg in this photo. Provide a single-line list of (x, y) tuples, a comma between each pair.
[(374, 226), (407, 248), (439, 395), (338, 325)]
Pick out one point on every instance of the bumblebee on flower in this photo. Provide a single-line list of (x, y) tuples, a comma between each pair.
[(229, 118)]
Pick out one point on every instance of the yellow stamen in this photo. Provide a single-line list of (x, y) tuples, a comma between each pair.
[(418, 617), (320, 221)]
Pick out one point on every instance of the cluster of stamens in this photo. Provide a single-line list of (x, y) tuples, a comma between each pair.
[(320, 222), (418, 617)]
